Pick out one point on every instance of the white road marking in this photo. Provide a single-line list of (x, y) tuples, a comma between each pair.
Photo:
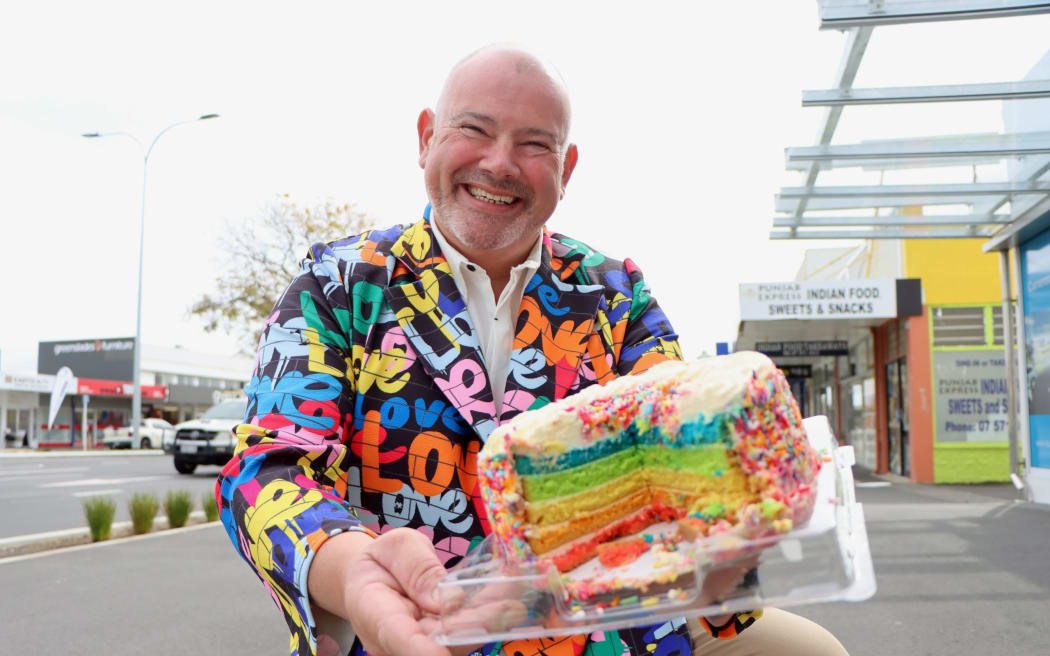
[(872, 484), (96, 493), (4, 473), (101, 481)]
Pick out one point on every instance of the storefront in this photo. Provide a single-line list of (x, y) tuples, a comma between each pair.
[(96, 406), (844, 346), (177, 385), (19, 395)]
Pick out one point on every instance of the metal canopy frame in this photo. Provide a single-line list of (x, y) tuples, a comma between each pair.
[(921, 232), (1026, 195), (968, 190), (920, 220), (981, 205), (990, 148), (845, 14), (1022, 90)]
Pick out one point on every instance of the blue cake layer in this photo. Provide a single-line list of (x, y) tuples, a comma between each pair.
[(697, 433)]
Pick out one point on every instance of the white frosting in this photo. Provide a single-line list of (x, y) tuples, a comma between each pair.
[(705, 387)]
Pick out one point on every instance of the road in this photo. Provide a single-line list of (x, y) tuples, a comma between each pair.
[(44, 493), (961, 571)]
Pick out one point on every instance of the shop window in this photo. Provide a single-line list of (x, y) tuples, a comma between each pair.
[(959, 326), (997, 323), (858, 419), (860, 357)]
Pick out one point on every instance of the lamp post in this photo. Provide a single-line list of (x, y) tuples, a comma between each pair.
[(136, 395)]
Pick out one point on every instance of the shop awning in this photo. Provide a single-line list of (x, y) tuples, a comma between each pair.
[(1003, 212)]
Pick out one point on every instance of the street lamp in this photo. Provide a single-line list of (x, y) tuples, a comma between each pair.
[(136, 395)]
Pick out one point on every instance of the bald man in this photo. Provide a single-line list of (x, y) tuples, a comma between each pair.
[(391, 357)]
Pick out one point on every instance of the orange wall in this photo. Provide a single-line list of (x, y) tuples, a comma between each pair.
[(953, 270), (920, 398)]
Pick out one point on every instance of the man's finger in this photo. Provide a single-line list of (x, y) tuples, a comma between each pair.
[(402, 634), (410, 558)]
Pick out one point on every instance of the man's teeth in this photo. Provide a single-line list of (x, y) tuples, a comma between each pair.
[(491, 198)]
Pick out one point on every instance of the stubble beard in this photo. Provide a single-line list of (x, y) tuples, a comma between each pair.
[(479, 231)]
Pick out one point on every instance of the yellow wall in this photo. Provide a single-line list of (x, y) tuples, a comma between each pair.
[(953, 270)]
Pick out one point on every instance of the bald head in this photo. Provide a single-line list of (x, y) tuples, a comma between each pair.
[(496, 155), (506, 60)]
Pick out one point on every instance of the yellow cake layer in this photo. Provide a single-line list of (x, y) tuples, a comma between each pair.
[(674, 489), (544, 538)]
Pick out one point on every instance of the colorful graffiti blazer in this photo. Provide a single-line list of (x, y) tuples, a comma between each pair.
[(370, 402)]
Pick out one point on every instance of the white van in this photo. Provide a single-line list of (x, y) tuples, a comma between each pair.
[(208, 440)]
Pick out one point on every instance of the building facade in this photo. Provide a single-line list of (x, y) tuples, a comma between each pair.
[(177, 385), (919, 389)]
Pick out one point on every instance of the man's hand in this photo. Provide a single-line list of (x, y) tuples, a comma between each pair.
[(722, 581), (383, 586)]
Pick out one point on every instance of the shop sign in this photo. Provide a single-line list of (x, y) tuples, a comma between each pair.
[(970, 396), (803, 349), (27, 382), (106, 359), (831, 299), (97, 387), (796, 370), (1035, 279)]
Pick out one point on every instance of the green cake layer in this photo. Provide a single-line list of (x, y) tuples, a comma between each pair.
[(709, 461)]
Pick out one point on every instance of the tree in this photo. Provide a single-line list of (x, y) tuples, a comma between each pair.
[(261, 255)]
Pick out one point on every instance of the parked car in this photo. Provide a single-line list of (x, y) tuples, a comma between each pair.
[(208, 440), (152, 434)]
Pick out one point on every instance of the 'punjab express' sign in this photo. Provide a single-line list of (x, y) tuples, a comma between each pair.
[(832, 299), (970, 395)]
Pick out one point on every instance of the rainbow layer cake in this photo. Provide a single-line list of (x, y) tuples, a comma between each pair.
[(629, 470)]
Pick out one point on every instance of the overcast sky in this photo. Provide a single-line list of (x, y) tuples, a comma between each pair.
[(682, 111)]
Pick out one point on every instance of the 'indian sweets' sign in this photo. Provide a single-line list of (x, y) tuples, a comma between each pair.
[(970, 395), (829, 299)]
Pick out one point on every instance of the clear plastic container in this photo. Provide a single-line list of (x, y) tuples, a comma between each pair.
[(487, 597)]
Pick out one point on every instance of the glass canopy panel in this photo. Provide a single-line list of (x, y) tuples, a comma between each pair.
[(961, 182), (844, 14)]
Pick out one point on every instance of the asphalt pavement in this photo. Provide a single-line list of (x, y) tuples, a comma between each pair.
[(960, 569), (43, 492)]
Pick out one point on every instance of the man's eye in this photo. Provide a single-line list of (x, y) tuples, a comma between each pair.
[(537, 145), (472, 129)]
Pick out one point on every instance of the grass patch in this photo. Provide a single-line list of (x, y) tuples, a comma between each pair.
[(177, 506), (99, 512), (143, 507), (211, 508)]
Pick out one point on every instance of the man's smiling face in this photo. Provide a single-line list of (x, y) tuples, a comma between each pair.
[(494, 155)]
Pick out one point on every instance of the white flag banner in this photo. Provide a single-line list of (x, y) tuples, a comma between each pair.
[(64, 382)]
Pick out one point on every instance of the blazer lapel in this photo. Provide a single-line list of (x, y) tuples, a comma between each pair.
[(554, 325), (435, 321)]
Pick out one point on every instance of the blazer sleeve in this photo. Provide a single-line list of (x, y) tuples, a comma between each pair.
[(649, 337), (283, 493)]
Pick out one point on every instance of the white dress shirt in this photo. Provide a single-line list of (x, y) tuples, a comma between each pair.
[(494, 320)]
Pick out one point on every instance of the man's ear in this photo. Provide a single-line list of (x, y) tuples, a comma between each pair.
[(571, 155), (425, 128)]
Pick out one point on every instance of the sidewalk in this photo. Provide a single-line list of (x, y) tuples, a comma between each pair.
[(20, 452), (909, 490), (22, 545)]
